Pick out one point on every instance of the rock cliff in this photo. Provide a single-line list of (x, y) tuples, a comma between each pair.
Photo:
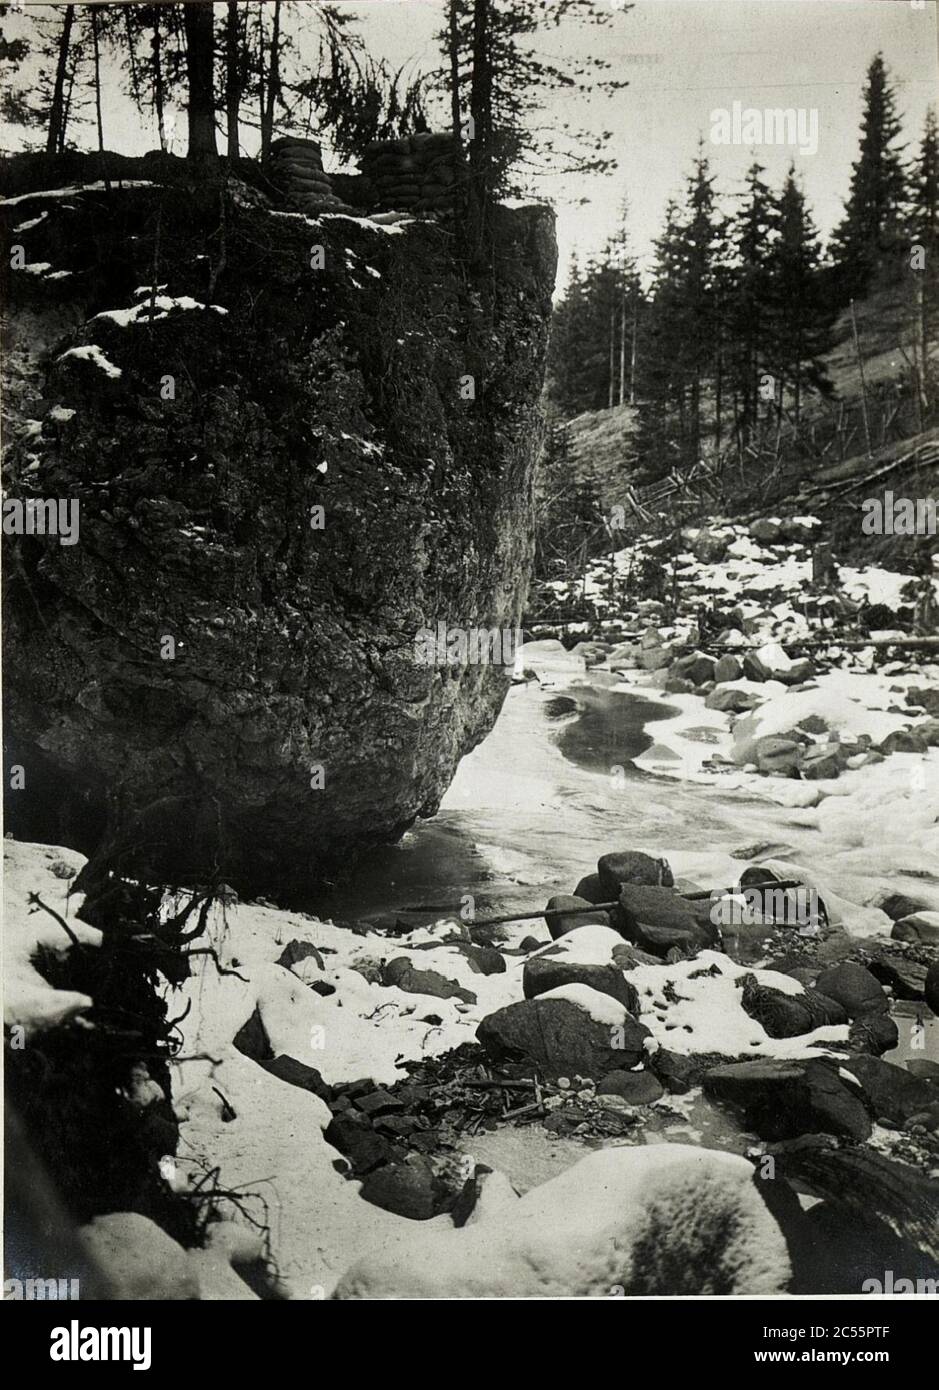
[(202, 372)]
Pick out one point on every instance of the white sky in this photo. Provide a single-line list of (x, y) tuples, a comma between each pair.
[(699, 55)]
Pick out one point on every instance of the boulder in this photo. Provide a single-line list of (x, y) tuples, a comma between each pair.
[(768, 530), (631, 866), (590, 889), (783, 1099), (484, 960), (931, 987), (678, 685), (753, 668), (729, 700), (656, 1220), (378, 1103), (560, 1038), (544, 973), (296, 951), (560, 923), (776, 754), (923, 1067), (655, 652), (821, 761), (252, 1040), (657, 919), (677, 1071), (358, 1143), (903, 741), (800, 671), (281, 740), (401, 974), (905, 977), (788, 1015), (635, 1087), (891, 1092), (899, 905), (873, 1032), (928, 731), (696, 668), (624, 657), (727, 668), (927, 697), (408, 1189), (592, 653), (853, 987), (919, 929), (298, 1074), (710, 547), (628, 957), (138, 1260)]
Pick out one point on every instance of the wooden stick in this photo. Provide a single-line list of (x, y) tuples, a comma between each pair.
[(697, 896)]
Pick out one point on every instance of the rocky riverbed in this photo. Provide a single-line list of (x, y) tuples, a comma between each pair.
[(372, 1093)]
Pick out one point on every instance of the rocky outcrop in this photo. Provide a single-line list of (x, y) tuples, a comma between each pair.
[(217, 676)]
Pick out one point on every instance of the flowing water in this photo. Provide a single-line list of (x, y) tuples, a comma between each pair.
[(528, 814), (550, 789)]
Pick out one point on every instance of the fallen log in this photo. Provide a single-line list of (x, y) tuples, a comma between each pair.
[(697, 896)]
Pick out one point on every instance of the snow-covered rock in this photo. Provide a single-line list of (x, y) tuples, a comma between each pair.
[(664, 1219)]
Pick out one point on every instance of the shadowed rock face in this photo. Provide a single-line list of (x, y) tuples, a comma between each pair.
[(294, 646)]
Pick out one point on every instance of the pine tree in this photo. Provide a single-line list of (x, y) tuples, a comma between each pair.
[(682, 356), (661, 414), (701, 247), (924, 186), (565, 374), (502, 79), (870, 231), (200, 53), (923, 231), (748, 305), (590, 352), (801, 314), (61, 47), (357, 97)]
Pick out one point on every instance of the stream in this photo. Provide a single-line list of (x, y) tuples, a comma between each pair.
[(532, 808)]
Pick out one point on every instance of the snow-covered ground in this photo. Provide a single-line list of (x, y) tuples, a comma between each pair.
[(539, 821)]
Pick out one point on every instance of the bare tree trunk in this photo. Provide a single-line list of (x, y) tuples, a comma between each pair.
[(55, 133), (718, 397), (622, 347), (860, 367), (481, 152), (262, 81), (156, 59), (66, 107), (454, 55), (273, 85), (232, 79), (132, 63), (97, 57), (611, 394), (632, 364), (200, 49)]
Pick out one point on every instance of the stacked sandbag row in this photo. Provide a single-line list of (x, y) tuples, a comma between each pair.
[(296, 166), (416, 173)]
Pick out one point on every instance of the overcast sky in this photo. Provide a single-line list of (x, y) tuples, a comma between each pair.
[(684, 59)]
